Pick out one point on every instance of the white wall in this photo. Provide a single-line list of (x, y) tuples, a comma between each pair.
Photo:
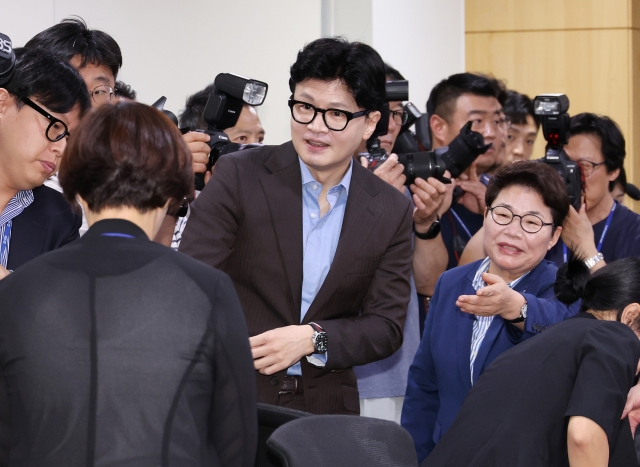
[(174, 48)]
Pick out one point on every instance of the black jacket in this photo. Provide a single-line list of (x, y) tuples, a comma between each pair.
[(517, 412), (118, 351), (46, 224)]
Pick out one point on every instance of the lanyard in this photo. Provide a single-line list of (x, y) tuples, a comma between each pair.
[(565, 252), (116, 234), (4, 246), (461, 223)]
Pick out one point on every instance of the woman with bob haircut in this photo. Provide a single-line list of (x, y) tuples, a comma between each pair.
[(116, 350), (558, 399), (484, 308)]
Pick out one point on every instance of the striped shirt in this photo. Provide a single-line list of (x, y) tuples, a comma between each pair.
[(482, 323), (18, 203)]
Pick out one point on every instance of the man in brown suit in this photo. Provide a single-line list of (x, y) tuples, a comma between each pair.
[(319, 249)]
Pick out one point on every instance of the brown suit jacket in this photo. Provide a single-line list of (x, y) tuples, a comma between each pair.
[(248, 223)]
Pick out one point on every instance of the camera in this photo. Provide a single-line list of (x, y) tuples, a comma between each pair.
[(552, 109), (394, 91), (456, 158), (408, 141), (223, 110), (7, 59)]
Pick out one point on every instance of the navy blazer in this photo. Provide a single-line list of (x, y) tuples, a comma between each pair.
[(440, 377), (46, 224)]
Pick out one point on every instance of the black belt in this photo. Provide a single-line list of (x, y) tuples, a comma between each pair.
[(292, 385)]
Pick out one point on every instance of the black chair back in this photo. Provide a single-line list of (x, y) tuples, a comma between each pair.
[(342, 440), (271, 417)]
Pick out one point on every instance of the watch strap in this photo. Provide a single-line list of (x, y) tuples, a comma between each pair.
[(433, 231)]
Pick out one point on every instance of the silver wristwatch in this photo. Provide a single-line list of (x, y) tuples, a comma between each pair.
[(591, 262)]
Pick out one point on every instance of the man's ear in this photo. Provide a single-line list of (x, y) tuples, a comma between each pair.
[(5, 100), (631, 316), (439, 128), (372, 120), (613, 175)]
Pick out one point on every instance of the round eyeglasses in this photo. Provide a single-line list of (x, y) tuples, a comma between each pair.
[(334, 119), (102, 94), (57, 129), (530, 223)]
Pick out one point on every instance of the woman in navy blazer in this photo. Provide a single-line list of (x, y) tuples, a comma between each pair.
[(484, 308)]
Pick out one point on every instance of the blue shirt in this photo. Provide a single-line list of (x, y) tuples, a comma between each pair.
[(14, 207), (320, 237), (481, 323)]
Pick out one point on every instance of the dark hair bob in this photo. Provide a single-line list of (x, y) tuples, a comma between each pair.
[(127, 154)]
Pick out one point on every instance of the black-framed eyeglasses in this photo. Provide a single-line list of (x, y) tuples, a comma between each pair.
[(102, 94), (588, 167), (399, 116), (57, 129), (530, 223), (334, 119)]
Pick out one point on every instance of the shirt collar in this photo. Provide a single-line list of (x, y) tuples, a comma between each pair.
[(117, 226), (308, 178)]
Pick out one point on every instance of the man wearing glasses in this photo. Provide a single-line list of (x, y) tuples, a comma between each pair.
[(319, 248), (95, 54), (39, 106), (602, 230)]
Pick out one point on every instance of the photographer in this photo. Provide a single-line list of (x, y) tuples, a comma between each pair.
[(382, 384), (452, 103), (247, 130), (603, 230), (523, 125), (318, 248), (39, 106)]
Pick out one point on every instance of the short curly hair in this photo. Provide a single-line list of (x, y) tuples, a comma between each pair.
[(127, 154)]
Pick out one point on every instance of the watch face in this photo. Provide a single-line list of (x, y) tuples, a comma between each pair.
[(320, 342)]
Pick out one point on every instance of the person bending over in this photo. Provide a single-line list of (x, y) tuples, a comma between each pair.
[(557, 399), (127, 353)]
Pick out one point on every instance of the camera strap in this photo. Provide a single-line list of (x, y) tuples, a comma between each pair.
[(565, 250), (4, 246)]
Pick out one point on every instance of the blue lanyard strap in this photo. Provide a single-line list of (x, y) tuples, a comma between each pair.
[(565, 252), (461, 223), (4, 246), (116, 234)]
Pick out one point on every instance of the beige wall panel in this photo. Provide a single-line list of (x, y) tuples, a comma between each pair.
[(591, 67), (518, 15)]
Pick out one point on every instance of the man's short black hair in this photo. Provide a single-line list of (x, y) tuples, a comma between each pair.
[(357, 65), (517, 107), (192, 115), (607, 130), (392, 74), (443, 97), (43, 76), (71, 37), (126, 91)]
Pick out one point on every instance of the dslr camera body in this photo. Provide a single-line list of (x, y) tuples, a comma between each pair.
[(455, 158), (552, 109), (223, 110)]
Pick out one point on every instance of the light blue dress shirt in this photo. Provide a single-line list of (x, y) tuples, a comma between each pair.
[(482, 323), (320, 237)]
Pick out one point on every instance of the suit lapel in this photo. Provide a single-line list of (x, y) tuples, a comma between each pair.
[(497, 324), (361, 214), (283, 191), (464, 333)]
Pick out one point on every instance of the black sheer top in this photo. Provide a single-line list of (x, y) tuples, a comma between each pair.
[(116, 351)]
